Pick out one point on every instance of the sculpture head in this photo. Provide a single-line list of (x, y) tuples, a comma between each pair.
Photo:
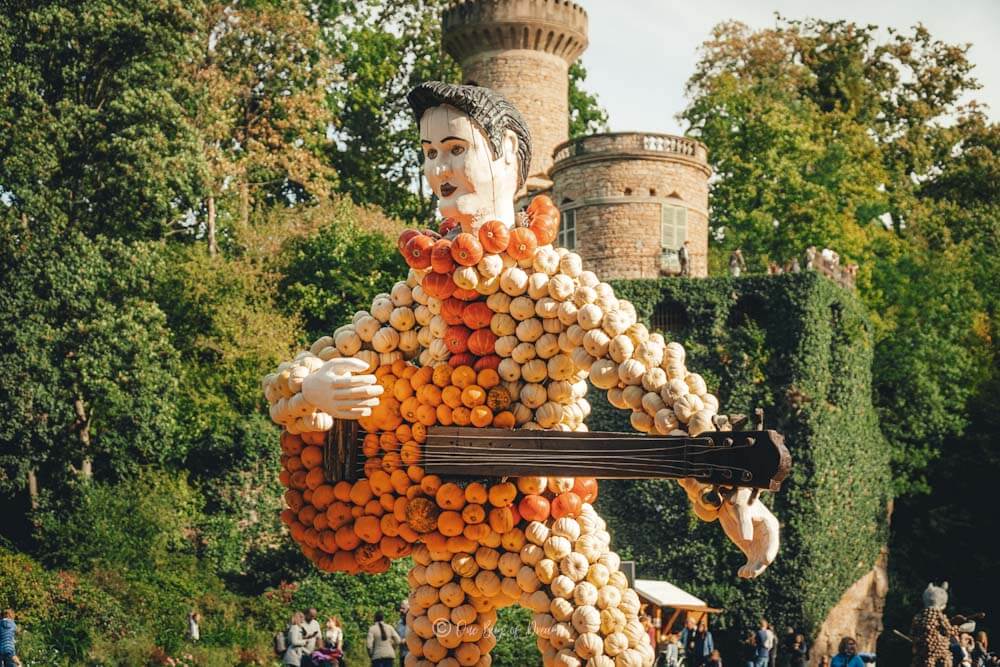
[(936, 597), (476, 148)]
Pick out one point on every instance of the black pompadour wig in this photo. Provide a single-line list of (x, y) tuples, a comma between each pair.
[(487, 108)]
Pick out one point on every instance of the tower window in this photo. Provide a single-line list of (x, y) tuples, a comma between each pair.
[(567, 230), (673, 233), (670, 317)]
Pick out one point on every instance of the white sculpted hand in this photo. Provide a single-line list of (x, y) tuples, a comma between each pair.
[(336, 391), (749, 525)]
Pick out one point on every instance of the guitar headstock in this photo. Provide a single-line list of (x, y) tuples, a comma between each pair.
[(757, 459)]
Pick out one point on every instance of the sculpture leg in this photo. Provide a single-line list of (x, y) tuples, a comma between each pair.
[(562, 570)]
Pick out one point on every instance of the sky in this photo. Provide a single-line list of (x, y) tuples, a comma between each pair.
[(643, 51)]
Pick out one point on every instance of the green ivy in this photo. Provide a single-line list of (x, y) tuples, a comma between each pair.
[(801, 348)]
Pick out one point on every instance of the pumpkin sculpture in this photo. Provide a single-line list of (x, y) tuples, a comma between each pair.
[(508, 330)]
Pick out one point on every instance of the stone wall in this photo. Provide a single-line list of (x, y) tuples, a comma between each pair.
[(858, 614), (618, 183)]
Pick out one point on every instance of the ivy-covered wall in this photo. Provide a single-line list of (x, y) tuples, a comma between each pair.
[(800, 347)]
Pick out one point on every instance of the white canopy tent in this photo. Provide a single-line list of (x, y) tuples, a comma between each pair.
[(664, 594)]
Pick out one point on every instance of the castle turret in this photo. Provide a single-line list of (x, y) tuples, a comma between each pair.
[(523, 49)]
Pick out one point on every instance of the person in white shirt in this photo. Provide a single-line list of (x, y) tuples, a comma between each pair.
[(333, 636), (382, 642), (312, 632), (295, 641), (771, 644)]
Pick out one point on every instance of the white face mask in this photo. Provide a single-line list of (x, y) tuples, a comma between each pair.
[(472, 187)]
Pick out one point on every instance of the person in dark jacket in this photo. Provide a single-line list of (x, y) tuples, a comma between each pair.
[(703, 644), (798, 652)]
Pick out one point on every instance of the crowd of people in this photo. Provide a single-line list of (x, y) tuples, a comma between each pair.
[(306, 643)]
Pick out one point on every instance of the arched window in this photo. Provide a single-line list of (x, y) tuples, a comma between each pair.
[(670, 317), (567, 227), (673, 233)]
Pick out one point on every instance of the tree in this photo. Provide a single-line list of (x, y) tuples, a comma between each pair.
[(87, 359), (586, 115), (383, 49), (93, 128)]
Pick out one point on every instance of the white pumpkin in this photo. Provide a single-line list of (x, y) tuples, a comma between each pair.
[(401, 318), (546, 570), (523, 353), (537, 601), (546, 260), (488, 286), (654, 378), (604, 373), (490, 266), (695, 383), (348, 342), (409, 342), (665, 421), (631, 371), (585, 593), (561, 608), (641, 421), (530, 330), (589, 316), (574, 566), (534, 371), (505, 345), (630, 603), (521, 308), (634, 630), (528, 581), (538, 285), (532, 553), (609, 597), (590, 547), (401, 294), (502, 325), (547, 346), (533, 395), (548, 414), (547, 308), (711, 402), (615, 643), (434, 304), (561, 367), (621, 348), (561, 635), (686, 406), (571, 265), (557, 548), (652, 403), (598, 575), (616, 322), (589, 644), (561, 287), (509, 564), (562, 586), (575, 333), (700, 422), (586, 619), (560, 391), (552, 325), (324, 342), (567, 313), (597, 661), (419, 295), (616, 398), (381, 308), (499, 302), (514, 281), (650, 354), (533, 485), (610, 560), (596, 342)]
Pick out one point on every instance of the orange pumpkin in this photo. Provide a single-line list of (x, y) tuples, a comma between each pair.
[(290, 444), (494, 236), (482, 342), (502, 494), (523, 243), (404, 238), (501, 519), (534, 507), (504, 419), (498, 399), (466, 249), (473, 513), (566, 504), (465, 294), (481, 416), (541, 201), (585, 487), (417, 251), (453, 310), (314, 437), (450, 523), (422, 514), (476, 493), (545, 226), (464, 359), (447, 225), (457, 339), (441, 261), (439, 285), (475, 315), (450, 496), (490, 361)]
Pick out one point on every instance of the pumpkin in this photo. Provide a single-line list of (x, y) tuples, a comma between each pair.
[(422, 515), (457, 338), (404, 238), (571, 265), (452, 312), (586, 488), (538, 285), (466, 250), (561, 608), (631, 371), (557, 547), (441, 260), (547, 308), (654, 378), (509, 563), (534, 507), (566, 526), (508, 369), (523, 243), (467, 279), (417, 251), (452, 595), (499, 302), (608, 598), (489, 268), (561, 635), (604, 373), (531, 553), (545, 260), (612, 561), (545, 225), (598, 575), (537, 602), (529, 330), (589, 316), (652, 403), (566, 504), (494, 236), (615, 643), (465, 294), (567, 313), (475, 315), (482, 342), (522, 308), (686, 406), (447, 225), (514, 281), (700, 422), (534, 371), (488, 583), (527, 580), (536, 532), (695, 383), (498, 399), (523, 352), (581, 359), (588, 645), (561, 367), (561, 288), (439, 286), (586, 619), (546, 570), (490, 362)]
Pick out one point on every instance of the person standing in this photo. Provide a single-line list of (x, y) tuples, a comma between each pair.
[(737, 265), (295, 644), (714, 659), (401, 630), (703, 644), (312, 632), (847, 654), (194, 629), (333, 636), (382, 642), (760, 640), (684, 257), (689, 636), (8, 648), (772, 644), (798, 652), (669, 651)]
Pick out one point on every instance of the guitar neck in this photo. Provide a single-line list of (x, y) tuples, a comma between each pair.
[(755, 459)]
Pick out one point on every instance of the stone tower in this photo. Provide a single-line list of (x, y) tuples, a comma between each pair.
[(523, 49), (629, 199)]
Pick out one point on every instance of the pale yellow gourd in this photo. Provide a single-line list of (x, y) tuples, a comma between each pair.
[(604, 374), (652, 403), (585, 593), (665, 421), (509, 564), (402, 319), (654, 378), (529, 330), (523, 353), (514, 281), (527, 580), (621, 348), (561, 608), (439, 573), (686, 406), (589, 316), (695, 383), (505, 345), (609, 597), (385, 340), (466, 277), (567, 313), (586, 619), (502, 324), (548, 414), (490, 266), (532, 553), (561, 287), (596, 342), (547, 346), (589, 644), (538, 285), (561, 367), (571, 265), (488, 286), (499, 302), (348, 342), (631, 371), (522, 308), (574, 566)]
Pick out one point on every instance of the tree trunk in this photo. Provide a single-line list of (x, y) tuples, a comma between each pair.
[(83, 426), (33, 488), (244, 203), (213, 247)]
